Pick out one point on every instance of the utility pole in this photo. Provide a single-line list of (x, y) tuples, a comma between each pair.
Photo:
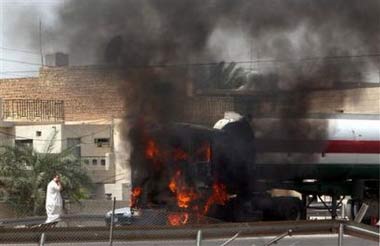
[(40, 35), (378, 67)]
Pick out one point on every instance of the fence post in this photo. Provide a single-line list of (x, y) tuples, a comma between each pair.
[(230, 240), (199, 238), (279, 237), (360, 215), (112, 220), (340, 235), (42, 240)]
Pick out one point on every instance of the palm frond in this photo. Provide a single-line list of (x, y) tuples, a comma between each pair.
[(25, 173), (227, 76)]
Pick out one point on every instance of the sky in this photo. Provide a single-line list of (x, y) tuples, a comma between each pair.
[(19, 50), (20, 54)]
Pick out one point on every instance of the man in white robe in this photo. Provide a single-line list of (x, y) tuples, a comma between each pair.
[(53, 203)]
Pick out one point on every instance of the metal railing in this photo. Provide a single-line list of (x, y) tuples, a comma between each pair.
[(102, 221), (197, 233), (32, 110)]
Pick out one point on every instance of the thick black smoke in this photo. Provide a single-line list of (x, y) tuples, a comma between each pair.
[(164, 31), (134, 33), (150, 32), (139, 34)]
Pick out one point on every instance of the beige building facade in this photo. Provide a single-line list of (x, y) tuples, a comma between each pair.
[(97, 144)]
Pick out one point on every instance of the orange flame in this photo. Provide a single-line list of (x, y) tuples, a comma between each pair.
[(185, 197), (177, 219), (174, 180), (172, 186), (151, 151), (179, 155), (136, 192), (219, 196), (204, 152), (183, 194), (208, 152)]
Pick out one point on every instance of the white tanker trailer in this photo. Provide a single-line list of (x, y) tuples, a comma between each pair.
[(336, 157)]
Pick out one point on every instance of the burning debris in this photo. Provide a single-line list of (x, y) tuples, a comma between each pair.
[(177, 219), (136, 193), (219, 196), (176, 163), (193, 177)]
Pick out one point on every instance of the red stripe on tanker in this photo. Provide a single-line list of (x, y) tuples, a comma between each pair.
[(340, 141)]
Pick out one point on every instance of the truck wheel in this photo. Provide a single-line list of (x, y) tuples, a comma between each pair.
[(289, 208), (293, 212)]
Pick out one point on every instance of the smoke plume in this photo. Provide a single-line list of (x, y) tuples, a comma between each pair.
[(164, 31), (143, 37), (150, 32)]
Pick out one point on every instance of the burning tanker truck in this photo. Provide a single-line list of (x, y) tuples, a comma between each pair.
[(197, 172)]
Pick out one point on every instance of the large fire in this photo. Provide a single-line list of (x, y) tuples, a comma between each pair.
[(188, 199)]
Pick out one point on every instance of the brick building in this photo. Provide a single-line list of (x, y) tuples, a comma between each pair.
[(76, 102), (93, 93), (88, 93)]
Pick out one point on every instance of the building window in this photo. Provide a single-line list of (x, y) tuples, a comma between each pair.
[(38, 133), (94, 162), (85, 161), (103, 162), (102, 142), (74, 145), (25, 143)]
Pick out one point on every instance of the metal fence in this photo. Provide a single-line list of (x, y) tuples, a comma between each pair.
[(111, 222)]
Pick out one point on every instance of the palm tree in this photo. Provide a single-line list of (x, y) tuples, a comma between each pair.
[(227, 76), (25, 173)]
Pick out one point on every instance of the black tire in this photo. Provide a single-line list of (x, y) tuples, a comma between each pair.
[(289, 208)]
